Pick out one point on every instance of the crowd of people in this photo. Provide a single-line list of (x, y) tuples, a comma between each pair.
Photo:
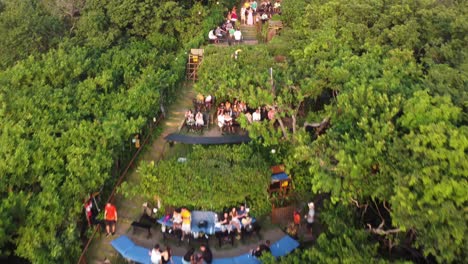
[(228, 112), (250, 13), (234, 219)]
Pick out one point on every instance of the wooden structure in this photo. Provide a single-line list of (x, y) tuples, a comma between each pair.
[(194, 60), (274, 28), (281, 183)]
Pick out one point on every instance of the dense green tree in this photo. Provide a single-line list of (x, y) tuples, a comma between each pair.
[(26, 29), (211, 178), (377, 63)]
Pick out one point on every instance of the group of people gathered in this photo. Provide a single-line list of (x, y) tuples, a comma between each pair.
[(250, 13), (234, 220), (227, 114), (197, 118), (159, 256)]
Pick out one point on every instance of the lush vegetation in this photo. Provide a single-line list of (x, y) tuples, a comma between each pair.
[(212, 178), (77, 80), (392, 78)]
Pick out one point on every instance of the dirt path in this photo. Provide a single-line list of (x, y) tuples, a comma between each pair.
[(130, 209)]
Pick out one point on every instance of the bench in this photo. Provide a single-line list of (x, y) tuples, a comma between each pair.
[(146, 220)]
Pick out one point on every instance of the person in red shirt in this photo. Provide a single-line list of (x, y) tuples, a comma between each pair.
[(110, 215)]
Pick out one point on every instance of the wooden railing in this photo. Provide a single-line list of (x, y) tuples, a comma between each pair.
[(150, 128)]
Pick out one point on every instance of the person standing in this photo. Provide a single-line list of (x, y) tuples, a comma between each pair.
[(250, 16), (110, 216), (310, 216)]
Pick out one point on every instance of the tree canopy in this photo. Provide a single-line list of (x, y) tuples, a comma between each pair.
[(78, 79), (391, 78), (211, 178)]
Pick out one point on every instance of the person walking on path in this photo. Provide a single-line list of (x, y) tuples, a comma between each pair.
[(310, 216), (110, 216)]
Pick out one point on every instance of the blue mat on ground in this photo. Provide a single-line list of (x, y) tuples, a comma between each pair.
[(283, 246), (279, 177), (223, 261), (231, 139), (139, 255), (246, 258), (122, 244), (177, 260)]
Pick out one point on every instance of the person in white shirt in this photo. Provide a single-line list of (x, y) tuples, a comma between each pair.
[(238, 35), (212, 36), (199, 119), (256, 116), (221, 121), (310, 216), (155, 254)]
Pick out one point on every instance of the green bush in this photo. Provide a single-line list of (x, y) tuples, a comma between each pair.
[(212, 178)]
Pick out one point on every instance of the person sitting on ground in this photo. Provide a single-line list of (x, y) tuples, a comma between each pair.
[(189, 257), (238, 35), (199, 122), (186, 222), (262, 248), (256, 116), (206, 255), (166, 256), (212, 36), (190, 120), (155, 254)]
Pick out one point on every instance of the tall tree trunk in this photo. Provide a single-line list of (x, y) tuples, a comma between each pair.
[(283, 129), (293, 117)]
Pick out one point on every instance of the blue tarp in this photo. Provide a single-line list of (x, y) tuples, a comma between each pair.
[(122, 244), (141, 255), (279, 177), (247, 259), (283, 246)]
